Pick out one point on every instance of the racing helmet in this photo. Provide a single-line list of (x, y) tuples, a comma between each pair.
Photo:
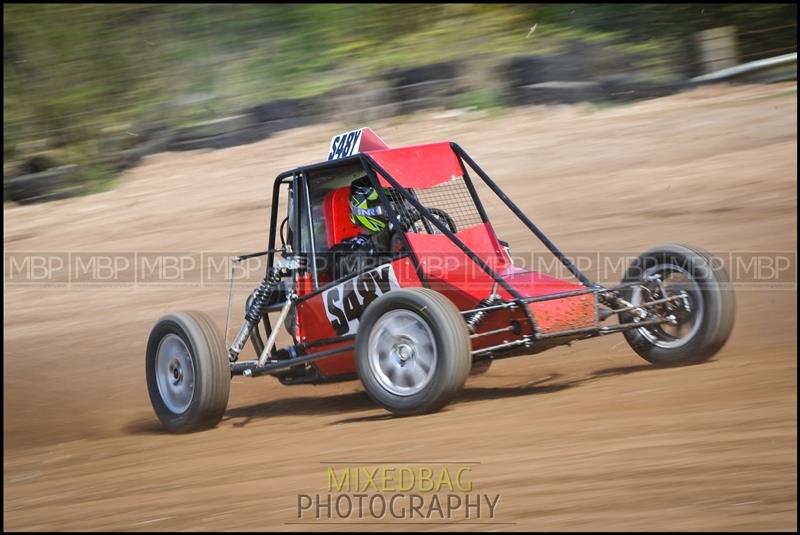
[(365, 206)]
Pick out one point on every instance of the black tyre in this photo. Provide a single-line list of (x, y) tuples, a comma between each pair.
[(699, 332), (413, 352), (188, 372)]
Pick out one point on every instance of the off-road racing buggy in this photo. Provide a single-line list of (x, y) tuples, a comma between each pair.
[(440, 298)]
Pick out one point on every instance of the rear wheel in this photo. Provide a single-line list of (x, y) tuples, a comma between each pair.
[(703, 317), (413, 352), (188, 372)]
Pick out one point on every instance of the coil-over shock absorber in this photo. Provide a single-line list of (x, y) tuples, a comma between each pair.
[(259, 303), (261, 295), (476, 318)]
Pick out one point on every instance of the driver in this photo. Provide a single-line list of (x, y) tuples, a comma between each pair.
[(369, 248), (379, 240)]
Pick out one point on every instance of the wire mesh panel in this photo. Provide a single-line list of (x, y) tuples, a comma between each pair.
[(449, 202)]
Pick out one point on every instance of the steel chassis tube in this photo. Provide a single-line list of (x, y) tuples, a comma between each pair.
[(252, 369), (524, 218)]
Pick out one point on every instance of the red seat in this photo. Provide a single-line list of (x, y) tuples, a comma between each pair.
[(336, 210)]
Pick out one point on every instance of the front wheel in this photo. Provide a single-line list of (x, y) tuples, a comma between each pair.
[(703, 316), (188, 372), (413, 351)]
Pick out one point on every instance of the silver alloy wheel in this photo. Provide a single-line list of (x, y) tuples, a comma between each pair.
[(174, 373), (402, 352), (675, 280)]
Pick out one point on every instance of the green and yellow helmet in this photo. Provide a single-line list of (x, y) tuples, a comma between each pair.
[(365, 206)]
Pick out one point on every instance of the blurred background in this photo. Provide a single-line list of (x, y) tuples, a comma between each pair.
[(91, 89)]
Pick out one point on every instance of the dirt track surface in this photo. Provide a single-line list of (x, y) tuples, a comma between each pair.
[(581, 438)]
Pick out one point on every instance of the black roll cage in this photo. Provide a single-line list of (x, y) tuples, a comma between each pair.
[(298, 180)]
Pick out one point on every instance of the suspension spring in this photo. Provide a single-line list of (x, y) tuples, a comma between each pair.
[(259, 303), (258, 306), (476, 318)]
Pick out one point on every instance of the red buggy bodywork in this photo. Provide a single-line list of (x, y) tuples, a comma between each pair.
[(445, 267)]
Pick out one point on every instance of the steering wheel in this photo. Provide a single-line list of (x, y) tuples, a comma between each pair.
[(418, 224)]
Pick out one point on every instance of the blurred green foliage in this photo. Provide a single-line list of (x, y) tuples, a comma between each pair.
[(481, 99), (75, 71)]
